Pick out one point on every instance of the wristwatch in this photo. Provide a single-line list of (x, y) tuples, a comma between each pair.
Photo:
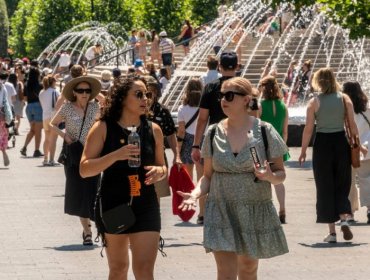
[(195, 147)]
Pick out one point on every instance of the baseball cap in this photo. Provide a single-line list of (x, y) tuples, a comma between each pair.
[(163, 34), (229, 60)]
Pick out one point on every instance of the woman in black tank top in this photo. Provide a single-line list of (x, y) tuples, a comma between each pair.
[(107, 151)]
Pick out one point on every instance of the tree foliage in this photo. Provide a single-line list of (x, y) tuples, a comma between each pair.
[(36, 23), (350, 14), (4, 30), (11, 6)]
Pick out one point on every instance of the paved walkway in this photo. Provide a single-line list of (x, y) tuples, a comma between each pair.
[(38, 241)]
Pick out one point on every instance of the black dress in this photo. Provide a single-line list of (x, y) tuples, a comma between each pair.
[(115, 184)]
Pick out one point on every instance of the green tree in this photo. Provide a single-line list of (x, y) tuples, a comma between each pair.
[(204, 10), (352, 15), (4, 30)]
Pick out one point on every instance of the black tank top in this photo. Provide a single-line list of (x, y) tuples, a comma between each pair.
[(115, 185)]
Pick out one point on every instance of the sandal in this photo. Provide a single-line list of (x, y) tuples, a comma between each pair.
[(87, 239)]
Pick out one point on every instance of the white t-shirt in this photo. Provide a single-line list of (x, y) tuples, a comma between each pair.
[(210, 76), (184, 114), (3, 92), (64, 60), (164, 83), (11, 92), (46, 101), (90, 53)]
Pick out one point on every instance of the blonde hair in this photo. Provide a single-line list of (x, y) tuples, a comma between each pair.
[(324, 81), (242, 84)]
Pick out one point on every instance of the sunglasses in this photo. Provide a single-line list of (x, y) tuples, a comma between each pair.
[(83, 90), (140, 94), (229, 95)]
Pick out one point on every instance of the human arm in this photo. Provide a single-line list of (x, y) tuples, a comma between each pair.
[(92, 163), (274, 174), (199, 131), (55, 121), (171, 140), (190, 199), (351, 115), (158, 171), (308, 129)]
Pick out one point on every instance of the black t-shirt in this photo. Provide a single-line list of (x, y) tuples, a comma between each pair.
[(32, 93), (210, 100), (162, 117)]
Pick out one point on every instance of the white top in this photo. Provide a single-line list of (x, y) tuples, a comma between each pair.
[(209, 77), (3, 92), (64, 60), (10, 91), (364, 130), (90, 53), (164, 83), (46, 101), (166, 45), (184, 114)]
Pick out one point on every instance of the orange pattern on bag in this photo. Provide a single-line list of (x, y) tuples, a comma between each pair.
[(135, 185)]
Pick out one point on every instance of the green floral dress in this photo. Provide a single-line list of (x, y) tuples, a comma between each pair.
[(239, 215)]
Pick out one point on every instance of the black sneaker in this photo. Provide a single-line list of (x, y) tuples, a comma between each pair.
[(37, 153), (24, 151)]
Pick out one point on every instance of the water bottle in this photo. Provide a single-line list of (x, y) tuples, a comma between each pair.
[(134, 139)]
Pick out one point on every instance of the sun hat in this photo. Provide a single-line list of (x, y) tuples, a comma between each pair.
[(94, 84), (229, 60), (163, 34)]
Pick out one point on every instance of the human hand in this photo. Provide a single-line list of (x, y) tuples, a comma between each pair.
[(68, 139), (363, 150), (127, 152), (263, 173), (154, 174), (188, 203), (195, 155), (302, 158)]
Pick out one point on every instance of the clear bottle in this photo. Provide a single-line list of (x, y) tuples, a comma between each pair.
[(134, 139)]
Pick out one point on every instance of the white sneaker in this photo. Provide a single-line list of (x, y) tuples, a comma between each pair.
[(347, 233), (45, 163), (53, 163), (331, 238)]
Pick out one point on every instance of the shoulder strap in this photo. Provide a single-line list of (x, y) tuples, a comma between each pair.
[(53, 99), (83, 122), (192, 119), (264, 137), (366, 119)]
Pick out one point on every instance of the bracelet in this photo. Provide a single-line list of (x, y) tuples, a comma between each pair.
[(196, 147), (179, 139)]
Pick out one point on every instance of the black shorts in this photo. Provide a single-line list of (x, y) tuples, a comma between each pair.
[(167, 59)]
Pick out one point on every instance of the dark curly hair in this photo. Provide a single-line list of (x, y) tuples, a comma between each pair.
[(113, 110), (358, 97)]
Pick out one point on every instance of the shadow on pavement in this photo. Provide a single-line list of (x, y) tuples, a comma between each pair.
[(295, 164), (73, 247), (183, 245), (332, 245), (187, 224)]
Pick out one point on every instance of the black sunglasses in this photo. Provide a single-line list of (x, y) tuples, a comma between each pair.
[(229, 95), (83, 90), (140, 94)]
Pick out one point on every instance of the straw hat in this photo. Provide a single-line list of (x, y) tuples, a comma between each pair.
[(94, 84)]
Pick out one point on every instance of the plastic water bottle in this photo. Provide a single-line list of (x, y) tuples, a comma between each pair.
[(134, 139)]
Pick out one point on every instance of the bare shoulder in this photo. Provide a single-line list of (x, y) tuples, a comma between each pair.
[(156, 128), (99, 128)]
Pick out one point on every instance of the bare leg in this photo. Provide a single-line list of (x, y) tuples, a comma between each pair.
[(227, 265), (331, 228), (18, 118), (247, 268), (38, 129), (46, 144), (202, 200), (280, 195), (52, 144), (85, 222), (144, 248), (117, 255), (30, 134)]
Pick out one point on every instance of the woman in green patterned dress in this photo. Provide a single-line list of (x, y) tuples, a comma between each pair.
[(241, 225), (274, 111)]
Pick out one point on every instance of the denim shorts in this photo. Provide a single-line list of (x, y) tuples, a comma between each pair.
[(34, 112)]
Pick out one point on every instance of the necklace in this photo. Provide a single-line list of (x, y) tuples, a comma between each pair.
[(126, 133)]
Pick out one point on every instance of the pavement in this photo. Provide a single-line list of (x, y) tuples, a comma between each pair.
[(39, 241)]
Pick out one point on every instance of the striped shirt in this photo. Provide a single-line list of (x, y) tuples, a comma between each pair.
[(166, 46)]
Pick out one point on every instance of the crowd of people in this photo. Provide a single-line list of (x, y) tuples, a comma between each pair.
[(232, 133)]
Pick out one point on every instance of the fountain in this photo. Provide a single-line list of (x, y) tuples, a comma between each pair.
[(81, 37), (325, 44)]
